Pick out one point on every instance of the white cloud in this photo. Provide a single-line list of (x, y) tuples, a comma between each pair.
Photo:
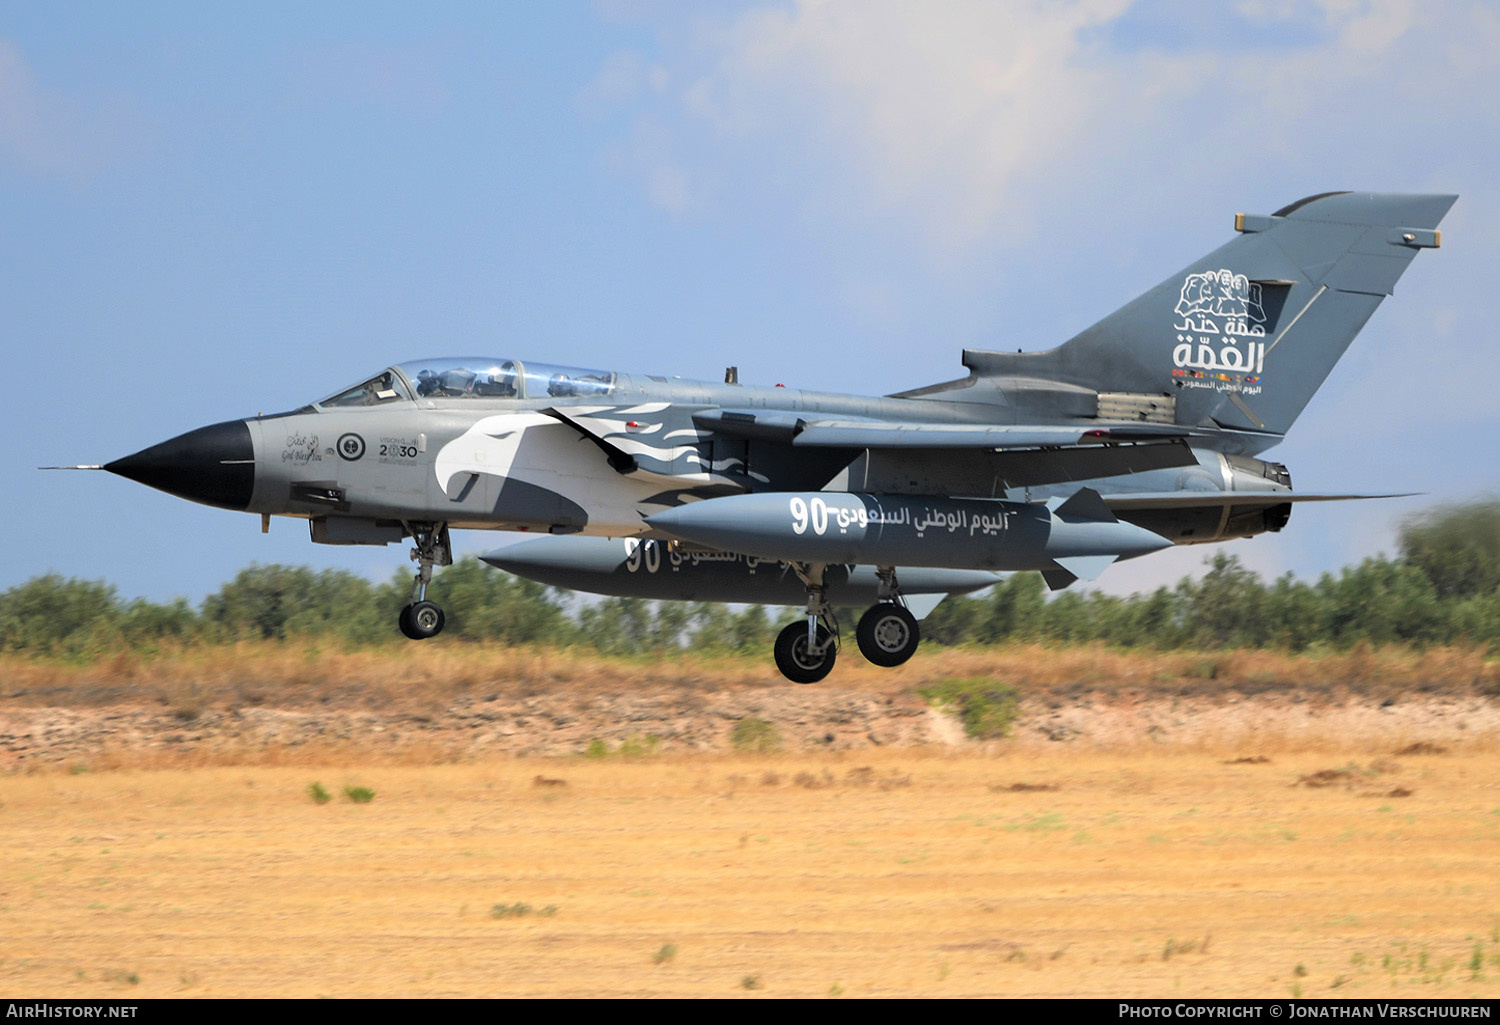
[(965, 118), (945, 113), (43, 132), (618, 81), (648, 153), (623, 79), (1369, 26)]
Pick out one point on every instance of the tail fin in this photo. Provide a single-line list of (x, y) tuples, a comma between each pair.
[(1242, 338)]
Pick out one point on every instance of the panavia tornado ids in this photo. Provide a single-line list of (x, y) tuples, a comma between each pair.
[(1143, 432)]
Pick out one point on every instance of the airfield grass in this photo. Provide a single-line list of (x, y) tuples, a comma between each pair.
[(1343, 871), (306, 673)]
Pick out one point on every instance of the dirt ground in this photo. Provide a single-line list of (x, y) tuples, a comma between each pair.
[(1321, 867), (566, 721), (545, 825)]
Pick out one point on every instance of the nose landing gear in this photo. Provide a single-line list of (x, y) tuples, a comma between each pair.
[(804, 659), (805, 652), (420, 618)]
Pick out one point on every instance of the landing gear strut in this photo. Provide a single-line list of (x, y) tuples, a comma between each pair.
[(420, 618), (888, 634), (805, 653)]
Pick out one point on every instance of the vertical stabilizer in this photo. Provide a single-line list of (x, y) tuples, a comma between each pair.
[(1243, 337)]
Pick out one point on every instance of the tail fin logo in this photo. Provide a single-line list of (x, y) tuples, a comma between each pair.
[(1215, 310), (1231, 298)]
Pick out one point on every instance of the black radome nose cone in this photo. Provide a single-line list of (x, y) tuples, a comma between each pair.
[(214, 465)]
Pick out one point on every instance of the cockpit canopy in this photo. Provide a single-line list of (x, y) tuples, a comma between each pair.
[(472, 378)]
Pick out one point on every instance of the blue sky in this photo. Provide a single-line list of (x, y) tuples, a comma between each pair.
[(208, 212)]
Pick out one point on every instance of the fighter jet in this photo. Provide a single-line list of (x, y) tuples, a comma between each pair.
[(1143, 432)]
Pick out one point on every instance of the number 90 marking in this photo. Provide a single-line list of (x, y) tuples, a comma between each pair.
[(804, 517), (645, 553)]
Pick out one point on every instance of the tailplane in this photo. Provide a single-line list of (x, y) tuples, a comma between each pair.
[(1242, 338)]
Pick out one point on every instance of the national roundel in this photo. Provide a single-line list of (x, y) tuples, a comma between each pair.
[(351, 447)]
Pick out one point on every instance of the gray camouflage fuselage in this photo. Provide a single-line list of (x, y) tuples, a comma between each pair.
[(1141, 432), (508, 466)]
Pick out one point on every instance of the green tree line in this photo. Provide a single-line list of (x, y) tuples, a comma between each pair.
[(1442, 587)]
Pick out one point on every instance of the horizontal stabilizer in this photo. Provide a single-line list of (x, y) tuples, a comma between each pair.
[(1208, 499)]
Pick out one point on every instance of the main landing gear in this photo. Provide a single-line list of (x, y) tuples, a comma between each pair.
[(887, 634), (420, 618)]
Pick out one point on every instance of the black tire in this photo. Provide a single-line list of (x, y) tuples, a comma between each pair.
[(426, 620), (888, 634), (404, 622), (793, 659)]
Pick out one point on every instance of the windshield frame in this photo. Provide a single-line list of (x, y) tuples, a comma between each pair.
[(469, 378), (370, 392)]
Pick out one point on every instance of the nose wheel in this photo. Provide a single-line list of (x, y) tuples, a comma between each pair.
[(804, 660), (805, 651), (420, 618)]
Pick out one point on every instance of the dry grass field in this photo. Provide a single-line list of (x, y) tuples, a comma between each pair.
[(305, 673), (1331, 870)]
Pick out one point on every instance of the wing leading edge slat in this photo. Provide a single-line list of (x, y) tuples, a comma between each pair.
[(1206, 499)]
